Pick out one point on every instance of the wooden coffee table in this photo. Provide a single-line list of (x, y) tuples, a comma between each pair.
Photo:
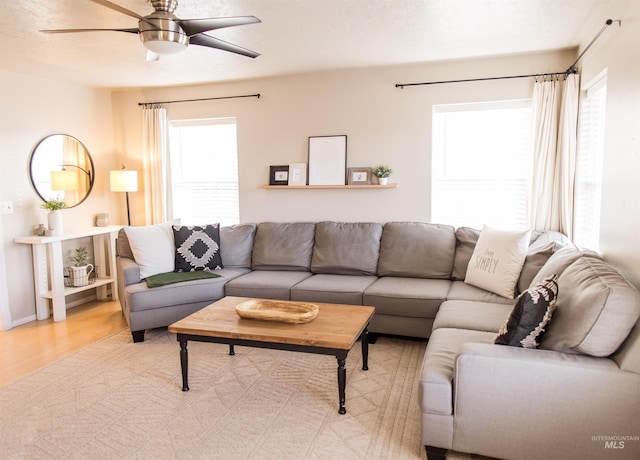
[(333, 332)]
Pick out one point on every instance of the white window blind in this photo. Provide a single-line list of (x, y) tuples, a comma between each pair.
[(204, 171), (588, 184), (481, 161)]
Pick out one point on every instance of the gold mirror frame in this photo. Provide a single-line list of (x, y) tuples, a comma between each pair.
[(60, 168)]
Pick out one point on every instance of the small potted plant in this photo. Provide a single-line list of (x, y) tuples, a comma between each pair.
[(80, 270), (54, 218), (382, 172)]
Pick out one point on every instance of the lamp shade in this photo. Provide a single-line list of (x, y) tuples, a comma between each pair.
[(64, 180), (122, 180)]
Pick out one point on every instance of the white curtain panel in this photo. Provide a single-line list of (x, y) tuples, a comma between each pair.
[(555, 134), (155, 148)]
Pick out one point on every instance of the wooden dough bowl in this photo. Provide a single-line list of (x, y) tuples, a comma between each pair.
[(277, 310)]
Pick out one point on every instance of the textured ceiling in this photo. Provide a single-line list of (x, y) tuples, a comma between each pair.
[(294, 36)]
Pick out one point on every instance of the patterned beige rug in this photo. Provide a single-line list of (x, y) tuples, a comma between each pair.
[(116, 399)]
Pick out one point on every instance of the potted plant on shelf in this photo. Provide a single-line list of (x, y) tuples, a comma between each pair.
[(80, 270), (382, 172), (54, 218)]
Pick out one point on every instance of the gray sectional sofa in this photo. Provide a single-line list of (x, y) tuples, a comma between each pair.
[(559, 401)]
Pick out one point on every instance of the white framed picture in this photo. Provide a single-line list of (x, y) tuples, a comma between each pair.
[(327, 160), (298, 174)]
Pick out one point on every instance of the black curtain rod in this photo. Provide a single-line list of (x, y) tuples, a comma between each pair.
[(571, 69), (402, 85), (202, 99)]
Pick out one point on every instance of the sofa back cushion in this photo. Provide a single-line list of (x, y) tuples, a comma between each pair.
[(417, 250), (466, 239), (596, 309), (559, 261), (346, 248), (236, 245), (283, 246), (123, 248)]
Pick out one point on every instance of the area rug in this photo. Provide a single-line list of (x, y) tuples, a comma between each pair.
[(117, 399)]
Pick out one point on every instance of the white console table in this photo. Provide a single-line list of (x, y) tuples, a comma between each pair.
[(48, 267)]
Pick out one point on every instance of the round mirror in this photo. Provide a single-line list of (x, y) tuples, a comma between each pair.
[(61, 169)]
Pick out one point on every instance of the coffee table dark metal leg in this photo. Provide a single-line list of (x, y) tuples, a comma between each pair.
[(184, 364), (364, 339), (342, 382)]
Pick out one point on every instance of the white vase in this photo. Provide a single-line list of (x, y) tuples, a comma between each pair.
[(54, 218), (383, 180)]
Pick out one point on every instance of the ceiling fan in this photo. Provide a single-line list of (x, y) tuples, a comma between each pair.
[(161, 32)]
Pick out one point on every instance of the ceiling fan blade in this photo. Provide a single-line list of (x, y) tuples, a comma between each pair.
[(196, 26), (123, 10), (211, 42), (65, 31), (118, 8)]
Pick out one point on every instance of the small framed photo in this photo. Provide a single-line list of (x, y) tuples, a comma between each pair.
[(359, 176), (298, 174), (279, 175)]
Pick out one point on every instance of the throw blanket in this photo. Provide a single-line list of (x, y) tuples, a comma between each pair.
[(162, 279)]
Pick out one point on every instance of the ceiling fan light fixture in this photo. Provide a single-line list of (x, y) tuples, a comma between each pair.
[(164, 46), (163, 36)]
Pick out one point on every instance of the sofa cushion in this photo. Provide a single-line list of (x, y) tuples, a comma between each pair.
[(437, 374), (236, 245), (418, 250), (466, 239), (559, 261), (532, 312), (539, 251), (346, 248), (123, 248), (596, 309), (140, 297), (266, 284), (197, 247), (459, 290), (152, 247), (283, 246), (412, 297), (497, 260), (472, 315), (328, 288)]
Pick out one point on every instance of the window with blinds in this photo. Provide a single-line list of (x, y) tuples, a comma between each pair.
[(203, 157), (588, 184), (481, 162)]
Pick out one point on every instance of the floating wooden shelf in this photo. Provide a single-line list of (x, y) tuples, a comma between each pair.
[(339, 187)]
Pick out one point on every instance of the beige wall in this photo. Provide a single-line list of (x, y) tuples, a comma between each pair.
[(383, 124), (618, 52), (31, 109)]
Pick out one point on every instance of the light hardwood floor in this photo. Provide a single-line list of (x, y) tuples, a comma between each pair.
[(31, 346)]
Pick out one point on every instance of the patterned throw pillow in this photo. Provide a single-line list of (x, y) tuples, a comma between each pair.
[(530, 315), (197, 248)]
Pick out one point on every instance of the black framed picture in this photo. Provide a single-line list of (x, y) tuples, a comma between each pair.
[(327, 160), (279, 175)]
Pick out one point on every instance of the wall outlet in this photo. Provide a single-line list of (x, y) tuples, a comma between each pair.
[(6, 207)]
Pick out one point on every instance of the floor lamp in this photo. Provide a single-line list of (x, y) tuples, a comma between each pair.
[(122, 180)]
